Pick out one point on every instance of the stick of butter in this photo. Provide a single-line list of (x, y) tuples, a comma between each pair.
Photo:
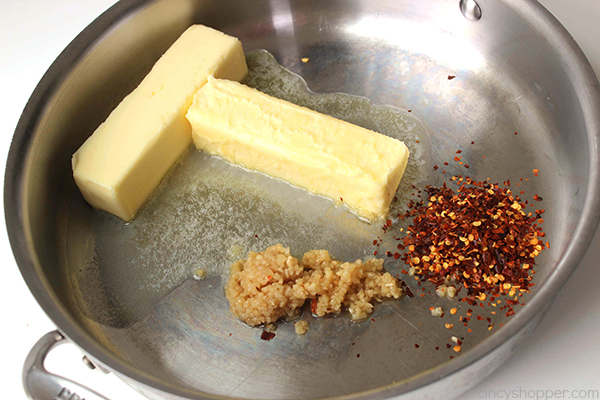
[(322, 154), (119, 166)]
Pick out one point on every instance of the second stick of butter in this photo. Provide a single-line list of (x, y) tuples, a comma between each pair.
[(322, 154), (120, 165)]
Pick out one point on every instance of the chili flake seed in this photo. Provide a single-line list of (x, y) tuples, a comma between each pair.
[(457, 348), (449, 326), (305, 59), (453, 311)]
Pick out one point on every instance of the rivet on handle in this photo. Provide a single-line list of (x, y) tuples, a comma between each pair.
[(470, 9)]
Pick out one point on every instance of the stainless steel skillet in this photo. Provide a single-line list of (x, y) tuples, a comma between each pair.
[(516, 71)]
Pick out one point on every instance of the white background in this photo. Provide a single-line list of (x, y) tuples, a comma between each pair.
[(563, 353)]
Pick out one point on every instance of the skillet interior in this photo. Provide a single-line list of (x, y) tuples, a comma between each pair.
[(131, 291)]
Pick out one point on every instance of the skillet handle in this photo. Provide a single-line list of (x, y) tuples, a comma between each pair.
[(42, 385)]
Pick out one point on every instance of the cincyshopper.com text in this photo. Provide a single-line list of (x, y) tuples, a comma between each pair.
[(538, 394)]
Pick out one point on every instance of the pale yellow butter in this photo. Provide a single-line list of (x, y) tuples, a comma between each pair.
[(327, 156), (119, 166)]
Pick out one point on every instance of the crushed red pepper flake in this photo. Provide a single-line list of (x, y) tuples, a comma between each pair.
[(477, 236), (450, 77), (267, 335)]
